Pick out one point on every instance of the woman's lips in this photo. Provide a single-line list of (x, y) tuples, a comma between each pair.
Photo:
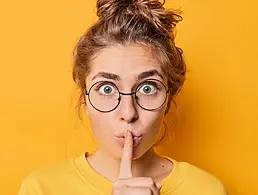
[(136, 140)]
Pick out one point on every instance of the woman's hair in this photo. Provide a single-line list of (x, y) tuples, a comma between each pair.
[(125, 22)]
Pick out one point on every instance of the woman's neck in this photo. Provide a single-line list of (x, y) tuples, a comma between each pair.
[(144, 166)]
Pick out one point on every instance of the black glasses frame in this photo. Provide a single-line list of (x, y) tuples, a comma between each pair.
[(121, 93)]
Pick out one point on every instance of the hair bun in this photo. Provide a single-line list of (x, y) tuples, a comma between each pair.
[(151, 10), (108, 8)]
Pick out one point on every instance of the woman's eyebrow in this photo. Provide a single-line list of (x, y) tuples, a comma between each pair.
[(149, 73), (107, 75), (141, 76)]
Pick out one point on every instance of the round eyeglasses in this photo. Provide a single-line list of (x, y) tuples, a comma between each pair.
[(150, 95)]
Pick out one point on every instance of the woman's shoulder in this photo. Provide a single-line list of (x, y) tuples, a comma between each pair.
[(53, 169), (195, 180), (48, 175), (199, 177)]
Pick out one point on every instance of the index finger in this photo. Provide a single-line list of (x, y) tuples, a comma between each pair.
[(126, 160)]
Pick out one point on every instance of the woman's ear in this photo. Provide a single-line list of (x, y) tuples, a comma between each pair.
[(86, 109)]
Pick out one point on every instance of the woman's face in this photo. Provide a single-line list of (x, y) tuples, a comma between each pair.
[(122, 66)]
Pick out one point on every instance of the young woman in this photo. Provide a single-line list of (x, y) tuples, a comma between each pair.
[(129, 70)]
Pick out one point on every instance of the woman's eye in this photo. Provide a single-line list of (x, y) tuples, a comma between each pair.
[(148, 89), (106, 89)]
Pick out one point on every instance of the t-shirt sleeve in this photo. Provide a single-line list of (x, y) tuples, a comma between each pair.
[(219, 189), (24, 189), (29, 186), (207, 183), (201, 182)]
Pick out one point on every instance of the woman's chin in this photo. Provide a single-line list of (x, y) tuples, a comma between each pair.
[(138, 152)]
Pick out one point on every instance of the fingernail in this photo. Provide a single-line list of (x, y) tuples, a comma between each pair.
[(158, 184), (125, 133)]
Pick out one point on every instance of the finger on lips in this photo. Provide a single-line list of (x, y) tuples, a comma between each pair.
[(125, 177), (126, 160)]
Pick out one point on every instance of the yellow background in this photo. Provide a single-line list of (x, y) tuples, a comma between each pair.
[(216, 127)]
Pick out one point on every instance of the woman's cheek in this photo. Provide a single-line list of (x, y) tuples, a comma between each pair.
[(100, 130), (151, 135), (154, 130)]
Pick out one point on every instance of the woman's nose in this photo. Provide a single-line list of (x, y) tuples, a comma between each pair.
[(128, 111)]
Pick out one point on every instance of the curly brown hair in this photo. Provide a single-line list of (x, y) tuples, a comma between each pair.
[(124, 22)]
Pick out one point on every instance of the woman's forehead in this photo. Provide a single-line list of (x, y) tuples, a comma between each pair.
[(125, 61)]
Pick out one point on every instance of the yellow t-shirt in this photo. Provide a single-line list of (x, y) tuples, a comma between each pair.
[(76, 177)]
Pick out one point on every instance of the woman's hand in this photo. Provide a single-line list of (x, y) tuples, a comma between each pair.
[(126, 183)]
